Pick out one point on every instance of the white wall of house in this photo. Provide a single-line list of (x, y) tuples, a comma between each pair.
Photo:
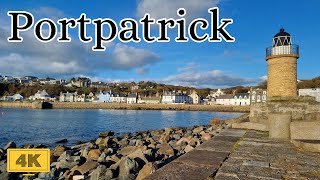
[(118, 99), (226, 102), (131, 100), (314, 92)]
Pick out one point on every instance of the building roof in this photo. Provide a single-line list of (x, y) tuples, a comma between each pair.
[(281, 33), (241, 94), (132, 95), (150, 98), (225, 96)]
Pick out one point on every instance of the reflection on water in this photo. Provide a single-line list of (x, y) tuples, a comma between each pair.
[(48, 126)]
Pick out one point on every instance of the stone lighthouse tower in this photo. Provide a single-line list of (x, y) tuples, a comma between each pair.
[(282, 66)]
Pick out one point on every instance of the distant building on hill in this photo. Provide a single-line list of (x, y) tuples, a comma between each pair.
[(217, 93), (81, 82), (99, 84), (314, 92)]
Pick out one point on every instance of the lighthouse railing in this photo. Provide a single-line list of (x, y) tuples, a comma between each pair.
[(282, 50)]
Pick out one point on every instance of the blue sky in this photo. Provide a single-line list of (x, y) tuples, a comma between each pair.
[(191, 64)]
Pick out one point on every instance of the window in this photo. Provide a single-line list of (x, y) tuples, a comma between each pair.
[(253, 97)]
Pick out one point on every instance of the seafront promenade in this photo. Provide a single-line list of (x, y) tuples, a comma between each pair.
[(243, 154), (124, 106)]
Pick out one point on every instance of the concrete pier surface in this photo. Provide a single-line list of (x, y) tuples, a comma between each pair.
[(243, 154)]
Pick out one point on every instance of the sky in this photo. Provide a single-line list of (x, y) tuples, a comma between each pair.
[(206, 64)]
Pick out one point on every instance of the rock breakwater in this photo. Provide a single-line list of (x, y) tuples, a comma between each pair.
[(132, 156)]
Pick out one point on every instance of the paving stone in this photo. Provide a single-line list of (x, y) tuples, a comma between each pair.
[(179, 170), (217, 146), (256, 163), (226, 138), (203, 158), (233, 132)]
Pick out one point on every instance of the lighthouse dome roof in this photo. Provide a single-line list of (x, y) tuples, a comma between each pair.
[(282, 33)]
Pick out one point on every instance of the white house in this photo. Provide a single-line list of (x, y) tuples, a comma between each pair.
[(195, 97), (176, 98), (216, 93), (41, 95), (16, 97), (118, 98), (241, 99), (314, 92), (81, 98), (132, 99), (226, 99), (68, 97)]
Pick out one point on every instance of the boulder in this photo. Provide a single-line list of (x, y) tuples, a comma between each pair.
[(86, 167), (206, 136), (65, 156), (115, 158), (102, 157), (58, 151), (214, 122), (65, 164), (106, 134), (85, 145), (127, 166), (147, 169), (165, 149), (194, 142), (102, 141), (101, 173), (183, 140), (138, 156), (9, 145), (128, 150), (188, 148), (84, 152), (176, 136), (94, 154), (198, 129), (164, 138)]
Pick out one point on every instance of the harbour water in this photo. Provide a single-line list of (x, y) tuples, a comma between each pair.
[(28, 126)]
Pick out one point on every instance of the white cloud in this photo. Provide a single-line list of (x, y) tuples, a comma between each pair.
[(125, 57), (168, 8), (192, 75), (32, 57), (142, 71)]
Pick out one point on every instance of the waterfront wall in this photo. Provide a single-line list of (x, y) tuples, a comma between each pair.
[(88, 105), (178, 107), (20, 105)]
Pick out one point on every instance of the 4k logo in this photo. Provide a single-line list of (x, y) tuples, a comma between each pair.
[(28, 160)]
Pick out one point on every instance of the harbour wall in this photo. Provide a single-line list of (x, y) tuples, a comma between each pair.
[(124, 106)]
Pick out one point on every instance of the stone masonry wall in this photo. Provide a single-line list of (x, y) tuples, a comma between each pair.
[(282, 76), (301, 109)]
